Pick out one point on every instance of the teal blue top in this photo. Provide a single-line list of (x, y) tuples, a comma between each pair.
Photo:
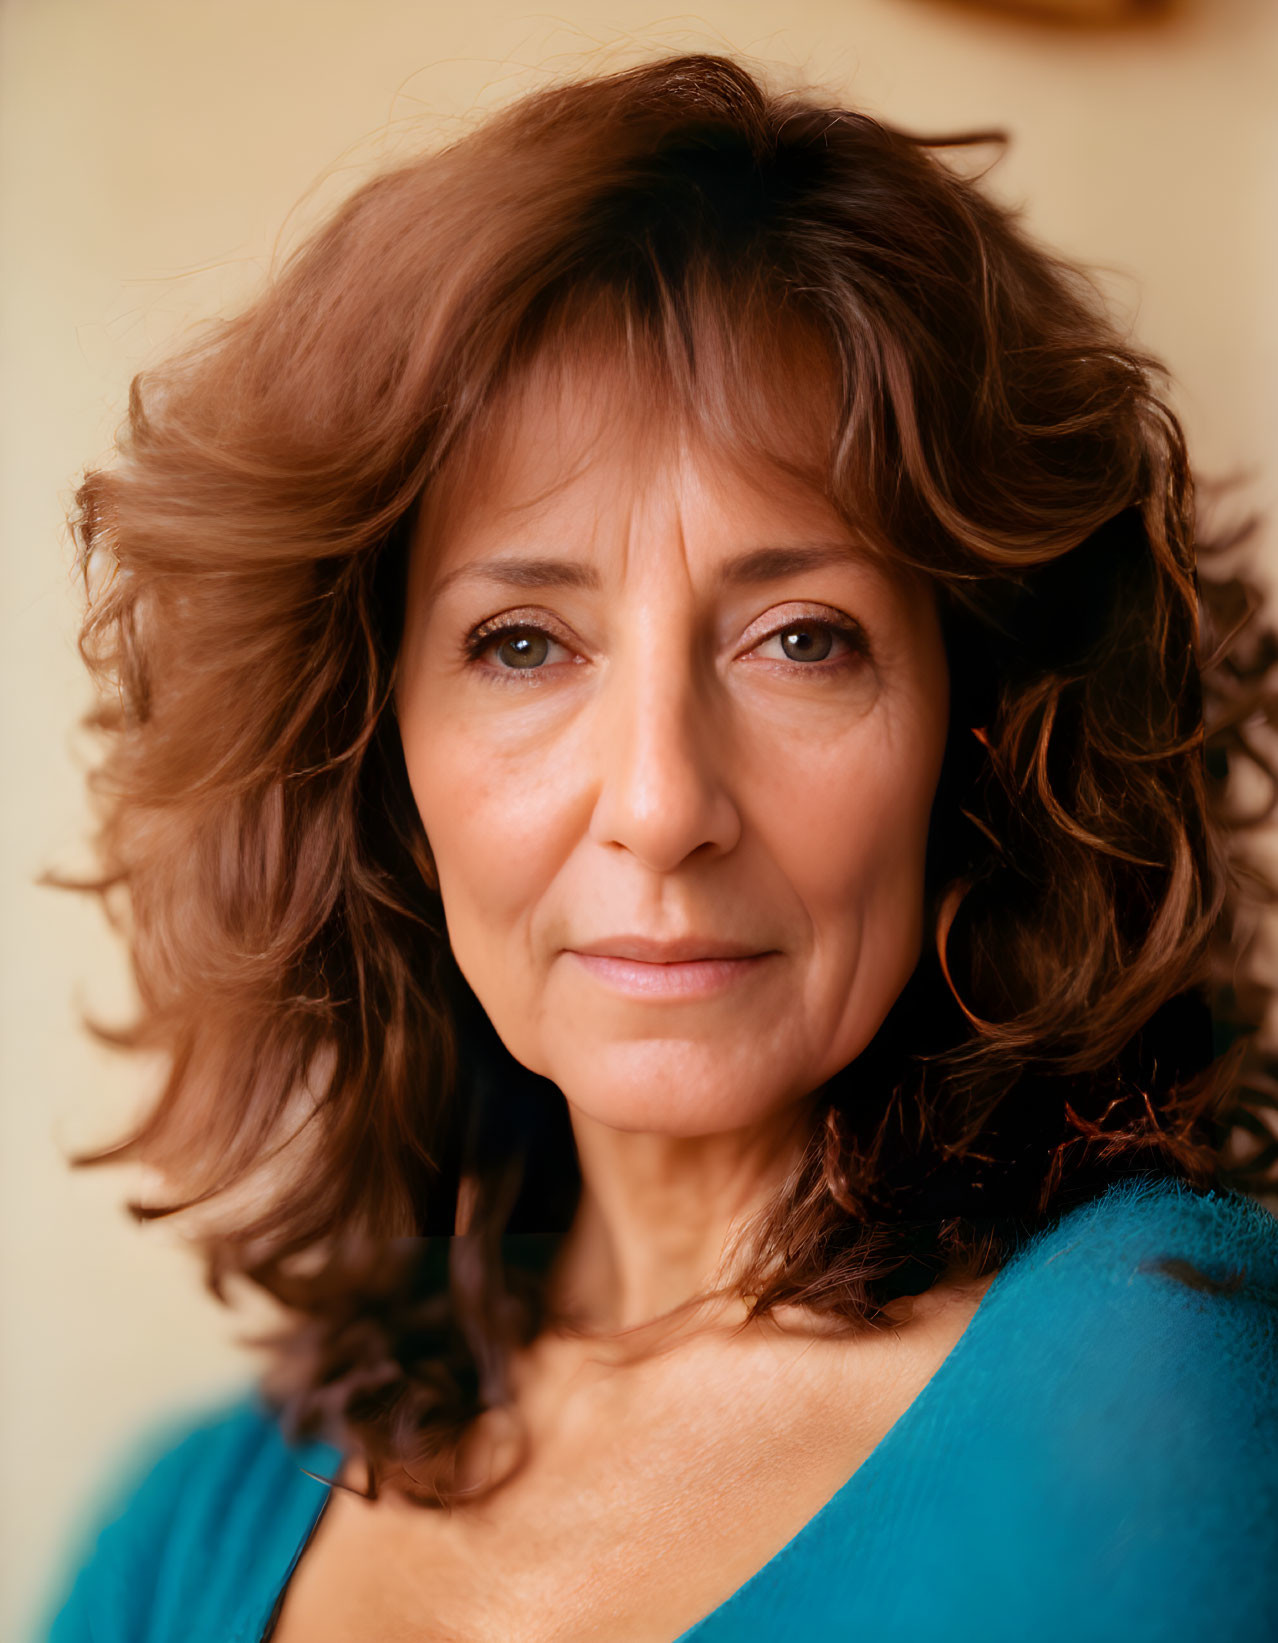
[(1096, 1459)]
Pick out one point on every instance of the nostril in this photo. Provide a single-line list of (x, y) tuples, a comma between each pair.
[(665, 813)]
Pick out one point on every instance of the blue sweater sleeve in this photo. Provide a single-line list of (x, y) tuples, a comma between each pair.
[(198, 1534)]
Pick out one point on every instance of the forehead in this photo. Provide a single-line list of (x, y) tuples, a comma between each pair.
[(576, 437)]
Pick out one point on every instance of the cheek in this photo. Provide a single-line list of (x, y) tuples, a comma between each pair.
[(852, 825), (852, 843), (499, 829), (473, 822)]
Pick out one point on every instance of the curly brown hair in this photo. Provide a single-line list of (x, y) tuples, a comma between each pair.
[(385, 1169)]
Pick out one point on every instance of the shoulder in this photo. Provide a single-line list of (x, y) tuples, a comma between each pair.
[(1154, 1280), (1158, 1301), (1151, 1219), (1123, 1383), (193, 1536)]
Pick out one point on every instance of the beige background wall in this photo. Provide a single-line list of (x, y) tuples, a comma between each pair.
[(150, 153)]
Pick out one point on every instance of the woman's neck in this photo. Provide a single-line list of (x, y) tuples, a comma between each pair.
[(659, 1215)]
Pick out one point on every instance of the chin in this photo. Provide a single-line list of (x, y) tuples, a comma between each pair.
[(673, 1088)]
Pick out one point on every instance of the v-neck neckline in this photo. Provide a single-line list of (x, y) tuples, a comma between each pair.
[(850, 1490), (319, 1457)]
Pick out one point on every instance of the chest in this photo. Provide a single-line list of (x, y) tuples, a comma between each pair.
[(643, 1504)]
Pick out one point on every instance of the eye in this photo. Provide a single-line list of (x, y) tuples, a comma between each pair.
[(513, 647), (808, 640), (522, 649)]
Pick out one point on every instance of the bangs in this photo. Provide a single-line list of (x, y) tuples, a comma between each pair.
[(738, 375)]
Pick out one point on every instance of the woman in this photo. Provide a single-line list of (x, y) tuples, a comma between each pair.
[(658, 768)]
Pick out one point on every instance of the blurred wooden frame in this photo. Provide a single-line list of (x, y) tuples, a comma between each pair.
[(1077, 11)]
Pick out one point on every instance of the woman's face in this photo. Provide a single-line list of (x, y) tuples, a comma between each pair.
[(674, 736)]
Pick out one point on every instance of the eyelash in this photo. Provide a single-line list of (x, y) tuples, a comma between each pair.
[(490, 633)]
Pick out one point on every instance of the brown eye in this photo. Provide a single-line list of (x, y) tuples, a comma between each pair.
[(807, 642), (523, 650), (813, 640), (514, 647)]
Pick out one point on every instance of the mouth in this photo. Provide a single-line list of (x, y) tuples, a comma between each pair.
[(690, 967)]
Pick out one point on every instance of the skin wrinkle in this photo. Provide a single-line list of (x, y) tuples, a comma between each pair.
[(762, 564)]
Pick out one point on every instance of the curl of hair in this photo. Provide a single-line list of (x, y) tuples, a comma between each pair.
[(385, 1169)]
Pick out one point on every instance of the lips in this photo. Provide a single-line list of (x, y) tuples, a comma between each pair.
[(680, 950), (682, 968)]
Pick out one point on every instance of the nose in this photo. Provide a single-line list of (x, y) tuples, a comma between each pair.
[(662, 753)]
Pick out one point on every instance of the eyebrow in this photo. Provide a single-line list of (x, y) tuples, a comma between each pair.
[(771, 564), (759, 565)]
